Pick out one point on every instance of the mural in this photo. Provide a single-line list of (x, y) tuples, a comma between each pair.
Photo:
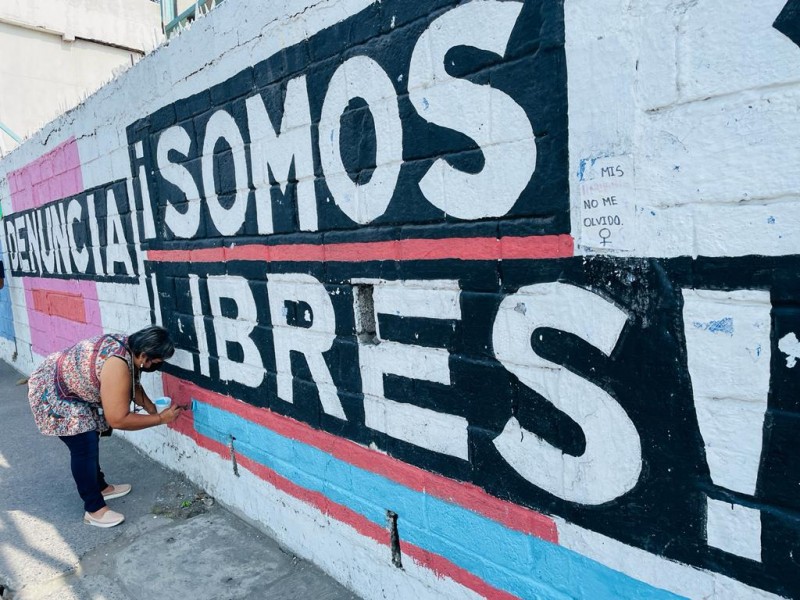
[(362, 245)]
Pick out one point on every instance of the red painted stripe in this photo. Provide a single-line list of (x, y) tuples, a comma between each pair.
[(464, 494), (529, 247), (59, 304), (434, 562), (442, 566)]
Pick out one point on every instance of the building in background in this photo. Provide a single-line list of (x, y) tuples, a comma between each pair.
[(54, 53), (176, 15)]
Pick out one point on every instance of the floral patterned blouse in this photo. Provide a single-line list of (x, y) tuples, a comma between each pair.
[(64, 391)]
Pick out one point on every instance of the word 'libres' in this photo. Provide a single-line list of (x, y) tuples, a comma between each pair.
[(605, 470)]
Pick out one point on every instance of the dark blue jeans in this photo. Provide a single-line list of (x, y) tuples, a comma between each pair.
[(84, 450)]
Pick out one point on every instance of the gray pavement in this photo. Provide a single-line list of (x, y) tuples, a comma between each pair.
[(176, 542)]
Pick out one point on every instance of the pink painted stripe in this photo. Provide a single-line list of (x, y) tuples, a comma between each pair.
[(464, 494), (50, 333), (434, 562), (54, 175), (530, 247)]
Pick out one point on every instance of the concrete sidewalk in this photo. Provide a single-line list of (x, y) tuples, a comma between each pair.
[(176, 542)]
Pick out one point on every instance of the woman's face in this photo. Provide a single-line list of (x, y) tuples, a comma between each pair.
[(147, 364)]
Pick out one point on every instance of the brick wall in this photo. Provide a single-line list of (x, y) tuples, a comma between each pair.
[(484, 299)]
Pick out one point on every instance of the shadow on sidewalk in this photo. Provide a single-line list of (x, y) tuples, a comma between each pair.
[(175, 541), (41, 514)]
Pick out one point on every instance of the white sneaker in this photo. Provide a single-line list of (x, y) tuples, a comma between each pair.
[(109, 519), (117, 491)]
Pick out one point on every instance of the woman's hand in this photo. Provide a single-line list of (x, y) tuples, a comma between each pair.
[(168, 415)]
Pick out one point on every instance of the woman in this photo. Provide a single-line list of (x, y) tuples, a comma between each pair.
[(83, 391)]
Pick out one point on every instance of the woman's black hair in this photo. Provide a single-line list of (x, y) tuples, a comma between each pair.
[(153, 342)]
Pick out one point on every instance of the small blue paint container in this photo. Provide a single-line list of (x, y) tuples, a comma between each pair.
[(162, 403)]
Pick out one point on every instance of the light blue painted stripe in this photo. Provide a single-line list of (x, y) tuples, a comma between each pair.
[(6, 316), (523, 565)]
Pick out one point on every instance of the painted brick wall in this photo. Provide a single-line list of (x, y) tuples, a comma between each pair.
[(472, 299)]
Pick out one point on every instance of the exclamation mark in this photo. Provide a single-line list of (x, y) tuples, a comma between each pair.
[(728, 349)]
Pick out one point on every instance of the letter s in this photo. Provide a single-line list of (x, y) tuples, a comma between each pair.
[(612, 460), (494, 121), (182, 224)]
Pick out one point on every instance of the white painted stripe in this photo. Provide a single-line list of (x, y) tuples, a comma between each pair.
[(725, 230), (199, 325), (728, 354), (434, 430), (734, 528), (658, 571), (410, 301)]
